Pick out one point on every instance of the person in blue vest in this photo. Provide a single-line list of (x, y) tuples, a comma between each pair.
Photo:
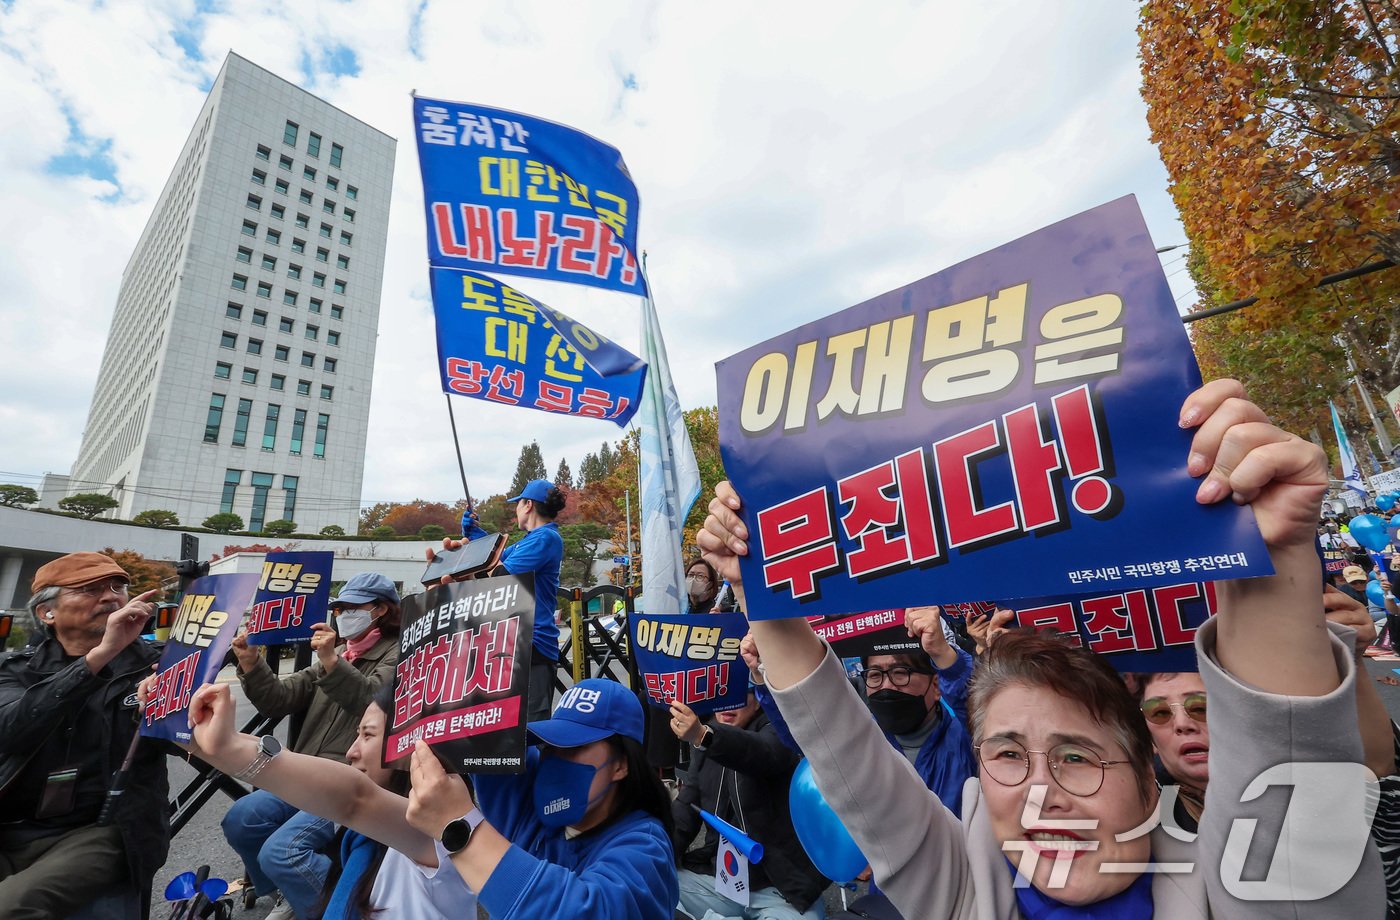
[(539, 552)]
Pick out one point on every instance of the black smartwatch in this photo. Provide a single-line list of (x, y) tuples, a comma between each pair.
[(706, 739), (457, 834)]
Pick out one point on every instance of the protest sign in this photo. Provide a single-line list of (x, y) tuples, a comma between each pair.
[(205, 623), (1152, 629), (511, 193), (293, 590), (875, 632), (1334, 560), (462, 674), (692, 659), (1010, 421), (497, 344)]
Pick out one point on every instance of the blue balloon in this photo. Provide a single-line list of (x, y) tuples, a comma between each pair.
[(1369, 531), (828, 844), (1375, 593), (1385, 502)]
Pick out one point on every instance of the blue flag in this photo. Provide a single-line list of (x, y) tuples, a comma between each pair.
[(1351, 473), (692, 659), (512, 193), (293, 591), (498, 344)]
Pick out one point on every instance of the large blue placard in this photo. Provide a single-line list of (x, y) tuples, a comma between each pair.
[(497, 344), (293, 590), (511, 193), (692, 659), (1010, 422)]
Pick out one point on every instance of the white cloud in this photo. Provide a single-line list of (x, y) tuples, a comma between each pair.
[(791, 162)]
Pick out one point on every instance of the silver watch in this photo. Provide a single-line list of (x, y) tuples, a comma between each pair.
[(268, 748)]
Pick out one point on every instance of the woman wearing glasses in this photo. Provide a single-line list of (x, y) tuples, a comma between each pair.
[(1066, 798), (1175, 708)]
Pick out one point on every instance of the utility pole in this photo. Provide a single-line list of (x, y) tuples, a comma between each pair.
[(627, 568)]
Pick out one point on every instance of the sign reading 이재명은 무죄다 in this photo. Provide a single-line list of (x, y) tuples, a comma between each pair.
[(1001, 427)]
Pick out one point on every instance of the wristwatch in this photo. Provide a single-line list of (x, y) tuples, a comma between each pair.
[(706, 739), (268, 748), (457, 834)]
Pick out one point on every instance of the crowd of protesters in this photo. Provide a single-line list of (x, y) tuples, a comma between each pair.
[(995, 772)]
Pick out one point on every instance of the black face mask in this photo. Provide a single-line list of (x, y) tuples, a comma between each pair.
[(897, 713)]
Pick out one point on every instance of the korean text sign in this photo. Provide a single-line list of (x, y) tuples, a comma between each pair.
[(497, 344), (293, 590), (1010, 421), (462, 674), (511, 193), (692, 659), (205, 623), (1148, 629), (874, 632)]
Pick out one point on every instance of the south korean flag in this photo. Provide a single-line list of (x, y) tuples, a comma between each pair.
[(731, 873)]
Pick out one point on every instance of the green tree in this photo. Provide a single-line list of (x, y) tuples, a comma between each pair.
[(383, 532), (332, 530), (223, 522), (13, 496), (279, 528), (583, 545), (431, 532), (495, 515), (564, 477), (157, 517), (87, 505), (528, 468)]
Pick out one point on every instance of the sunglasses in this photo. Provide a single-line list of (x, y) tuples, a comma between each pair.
[(1159, 711)]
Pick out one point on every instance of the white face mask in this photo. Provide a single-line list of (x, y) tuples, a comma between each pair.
[(353, 622), (697, 585)]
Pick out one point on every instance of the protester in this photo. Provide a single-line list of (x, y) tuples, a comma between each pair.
[(1174, 705), (985, 629), (68, 715), (584, 832), (282, 847), (740, 772), (1283, 688), (701, 587)]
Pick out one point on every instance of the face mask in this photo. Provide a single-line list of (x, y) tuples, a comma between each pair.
[(561, 791), (897, 713), (353, 622), (698, 587)]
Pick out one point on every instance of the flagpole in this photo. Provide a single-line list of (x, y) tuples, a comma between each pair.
[(457, 445)]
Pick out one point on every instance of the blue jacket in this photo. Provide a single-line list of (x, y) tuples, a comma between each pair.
[(623, 870), (540, 551)]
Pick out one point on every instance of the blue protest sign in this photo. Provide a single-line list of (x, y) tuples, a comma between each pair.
[(692, 659), (497, 344), (511, 193), (1010, 422), (293, 590), (209, 616), (1152, 629)]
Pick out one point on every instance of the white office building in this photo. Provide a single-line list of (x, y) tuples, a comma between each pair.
[(238, 366)]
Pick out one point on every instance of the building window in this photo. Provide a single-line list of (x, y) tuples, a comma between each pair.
[(282, 187), (333, 338), (289, 298), (281, 352), (240, 283), (285, 162), (315, 306), (303, 221), (308, 359), (250, 228), (328, 206), (352, 193), (263, 152), (338, 287), (264, 289), (274, 236), (303, 387), (337, 311), (255, 346), (244, 254), (233, 310), (289, 136), (349, 216), (285, 325), (262, 484), (277, 382), (306, 197), (277, 211), (228, 340), (298, 245), (323, 424), (318, 280), (313, 149), (215, 419), (313, 332), (329, 365), (270, 427), (308, 174), (259, 317), (342, 261), (231, 480), (323, 255), (332, 183), (223, 371), (254, 202), (289, 493), (346, 237), (336, 152), (298, 432), (293, 271), (326, 230), (240, 422), (250, 375), (269, 263), (327, 391), (259, 177)]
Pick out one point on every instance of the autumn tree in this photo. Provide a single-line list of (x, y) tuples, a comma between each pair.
[(372, 516), (145, 574), (1279, 127), (495, 515), (528, 468), (411, 517)]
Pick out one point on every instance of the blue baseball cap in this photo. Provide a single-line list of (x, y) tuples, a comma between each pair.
[(592, 710), (536, 491), (365, 588)]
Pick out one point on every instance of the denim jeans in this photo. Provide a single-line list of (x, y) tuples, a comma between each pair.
[(700, 900), (281, 847)]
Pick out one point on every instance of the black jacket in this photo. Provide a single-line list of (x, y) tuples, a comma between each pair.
[(54, 712), (753, 762)]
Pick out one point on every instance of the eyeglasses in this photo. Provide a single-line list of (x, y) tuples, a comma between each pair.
[(1075, 768), (897, 676), (1159, 711), (100, 588)]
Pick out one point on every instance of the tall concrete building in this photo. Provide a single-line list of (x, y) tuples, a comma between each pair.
[(238, 367)]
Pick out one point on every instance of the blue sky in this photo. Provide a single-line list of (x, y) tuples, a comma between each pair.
[(792, 160)]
